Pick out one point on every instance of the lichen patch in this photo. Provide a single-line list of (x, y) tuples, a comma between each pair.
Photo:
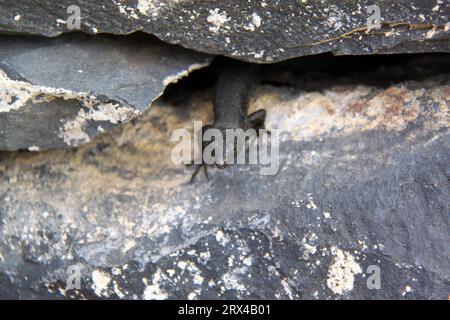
[(154, 291), (72, 131), (100, 282), (15, 94), (341, 273), (176, 77), (217, 19)]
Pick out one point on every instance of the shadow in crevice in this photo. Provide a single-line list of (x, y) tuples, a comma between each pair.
[(319, 72)]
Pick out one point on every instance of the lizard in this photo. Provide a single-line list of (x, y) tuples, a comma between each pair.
[(230, 105)]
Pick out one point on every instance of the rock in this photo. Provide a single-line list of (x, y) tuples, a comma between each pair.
[(63, 92), (257, 31), (362, 190)]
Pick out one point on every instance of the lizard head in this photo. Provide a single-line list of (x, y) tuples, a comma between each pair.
[(211, 144)]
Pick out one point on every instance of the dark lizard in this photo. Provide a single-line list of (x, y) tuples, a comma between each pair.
[(230, 103)]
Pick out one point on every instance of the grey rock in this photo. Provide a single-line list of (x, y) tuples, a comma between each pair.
[(362, 184), (63, 92), (258, 31)]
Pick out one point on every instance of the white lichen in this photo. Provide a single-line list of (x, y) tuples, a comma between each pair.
[(217, 19), (311, 204), (341, 273), (254, 24), (232, 279), (144, 6), (174, 78), (73, 131), (15, 94), (222, 238), (153, 291), (100, 282)]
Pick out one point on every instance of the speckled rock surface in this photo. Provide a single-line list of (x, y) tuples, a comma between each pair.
[(258, 31), (363, 182), (63, 92)]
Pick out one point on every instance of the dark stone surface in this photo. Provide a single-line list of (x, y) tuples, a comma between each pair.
[(65, 91), (363, 181), (258, 31)]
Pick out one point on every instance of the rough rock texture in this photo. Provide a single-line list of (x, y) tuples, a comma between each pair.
[(255, 30), (65, 91), (363, 181)]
